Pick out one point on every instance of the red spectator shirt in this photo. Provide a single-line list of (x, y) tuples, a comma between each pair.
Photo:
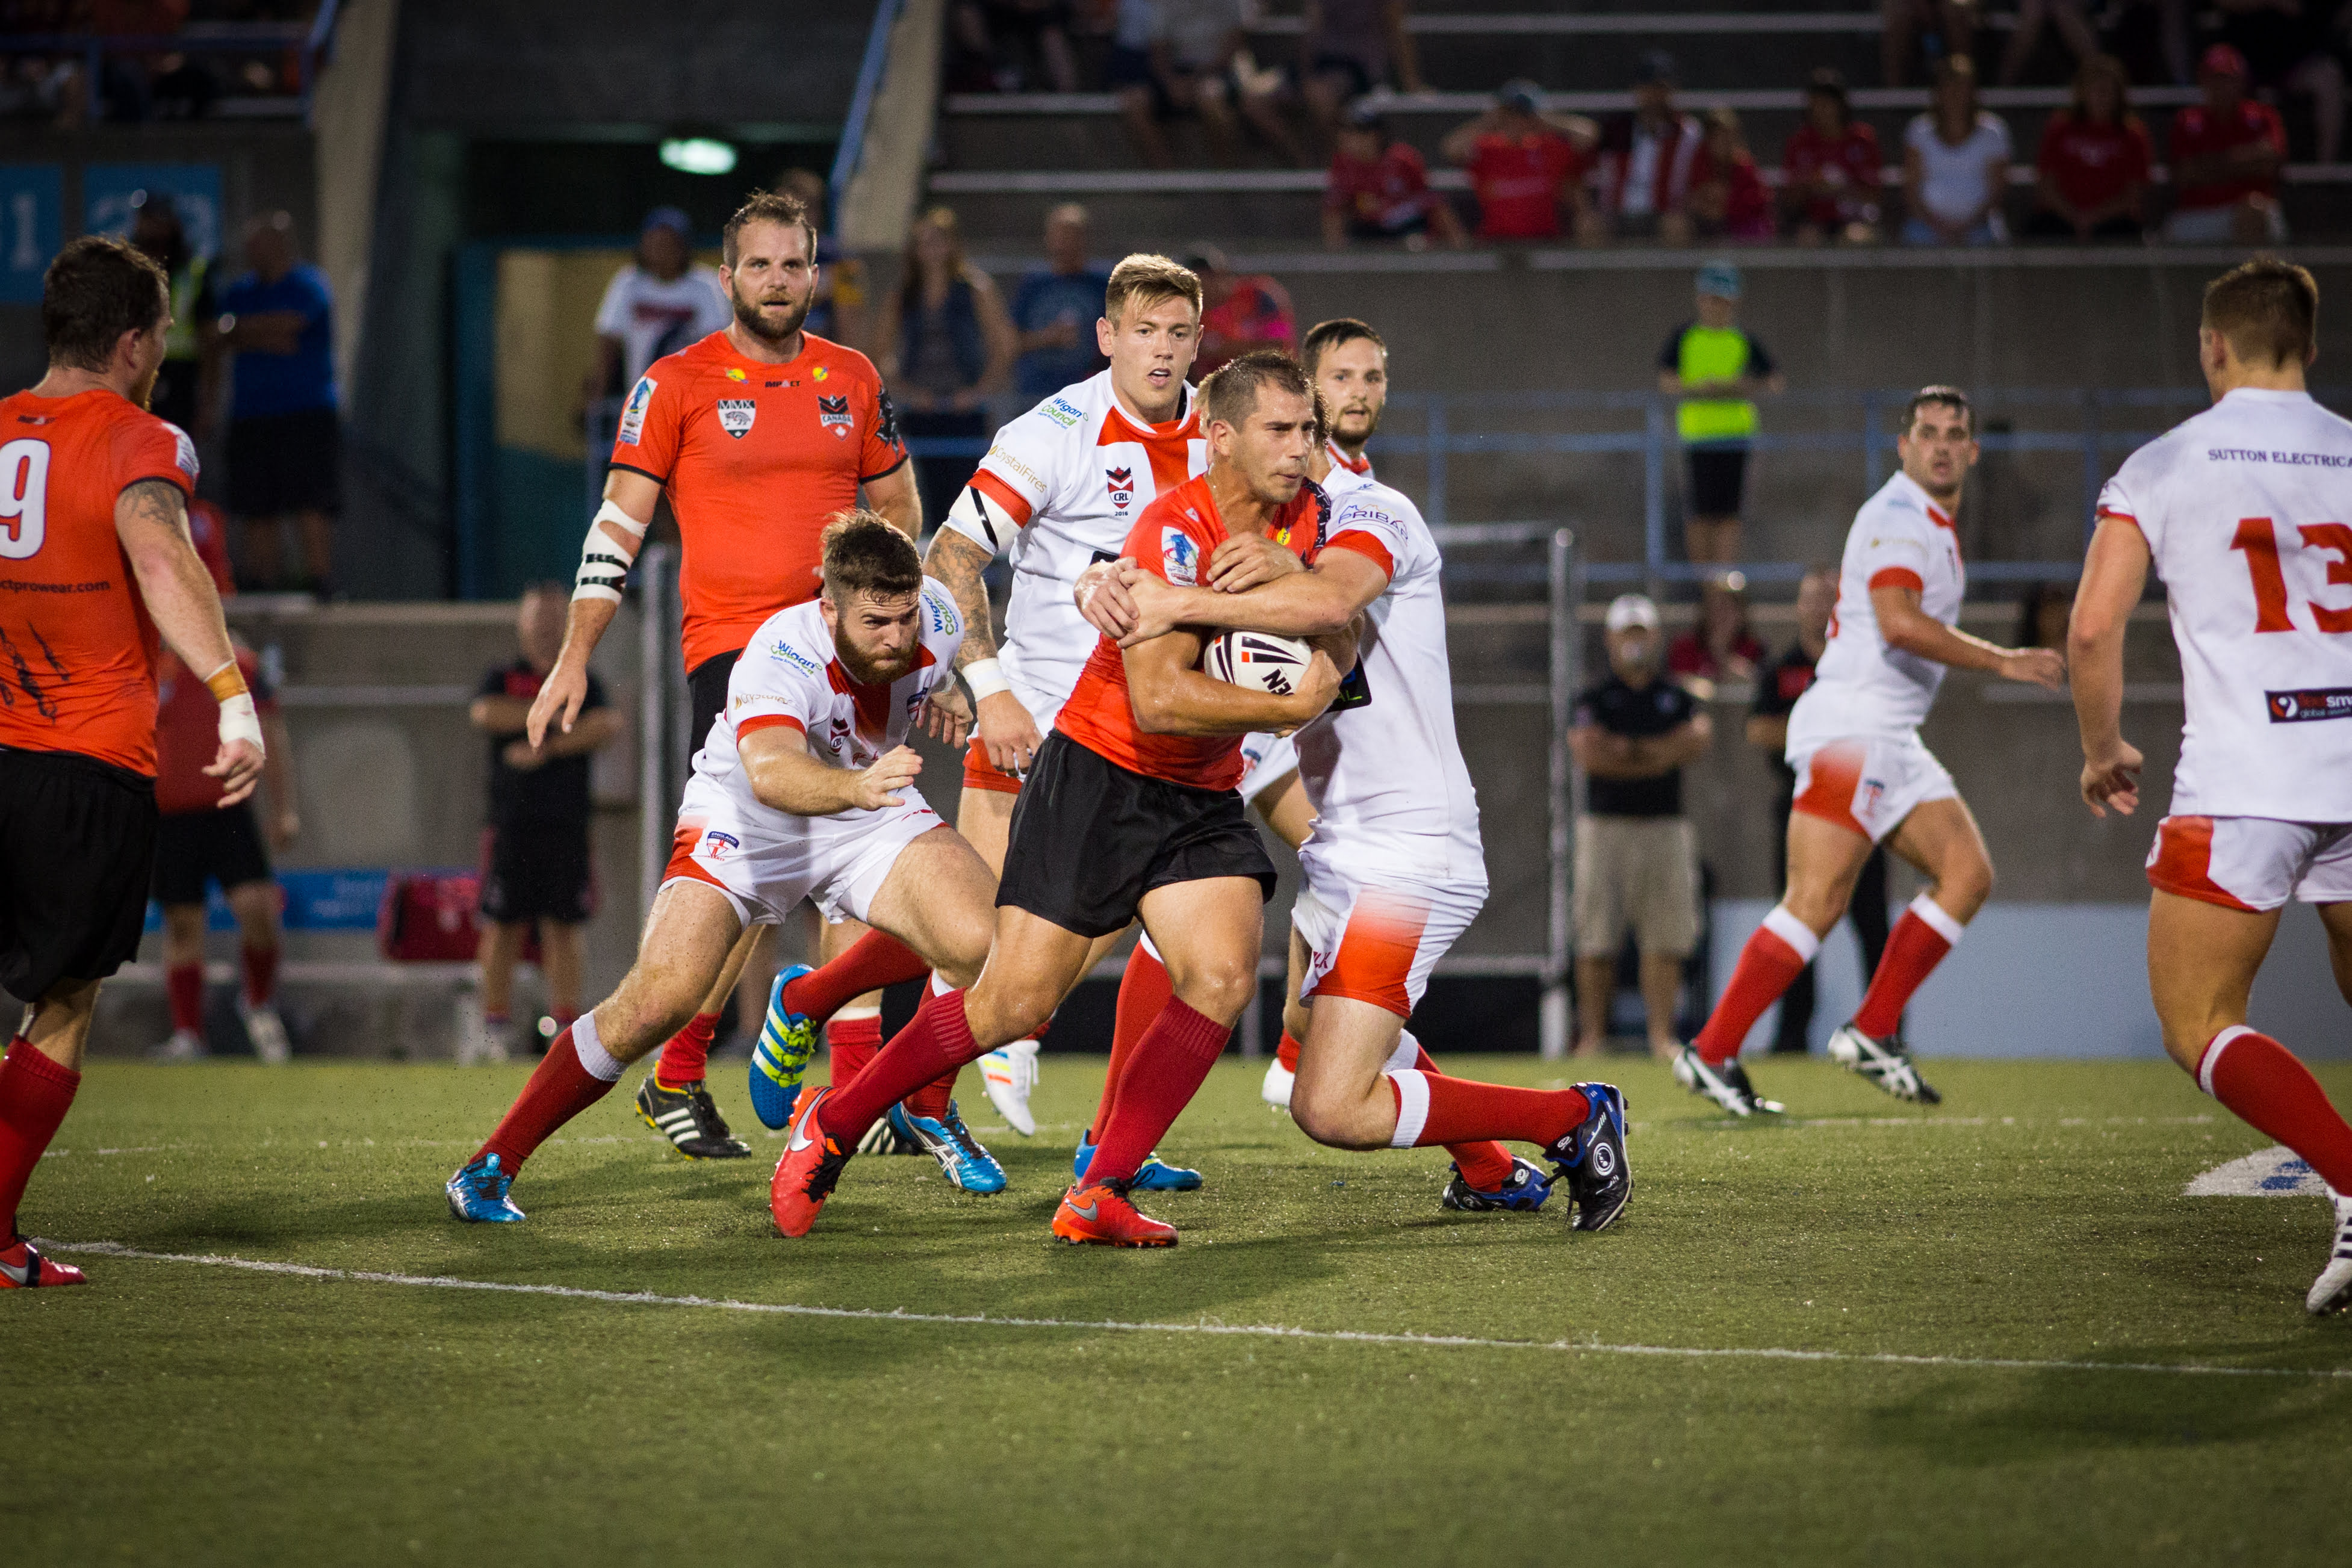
[(1387, 191), (188, 731), (1748, 204), (2092, 165), (1848, 162), (1688, 655), (1255, 314), (1518, 180), (2197, 131)]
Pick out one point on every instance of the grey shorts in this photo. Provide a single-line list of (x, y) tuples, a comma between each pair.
[(1639, 873)]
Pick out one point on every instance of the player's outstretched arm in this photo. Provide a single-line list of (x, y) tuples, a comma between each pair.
[(785, 778), (151, 518), (614, 536), (2115, 574), (1171, 697), (1133, 606), (1911, 629)]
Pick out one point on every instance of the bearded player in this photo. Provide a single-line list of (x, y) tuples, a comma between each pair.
[(1864, 776), (2239, 511), (757, 434)]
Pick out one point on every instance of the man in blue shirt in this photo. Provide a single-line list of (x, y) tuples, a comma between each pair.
[(285, 439), (1057, 309)]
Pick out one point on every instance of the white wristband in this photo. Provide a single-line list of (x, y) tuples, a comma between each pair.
[(239, 721), (986, 678)]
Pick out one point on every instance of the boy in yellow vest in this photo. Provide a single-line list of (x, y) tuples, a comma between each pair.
[(1716, 369)]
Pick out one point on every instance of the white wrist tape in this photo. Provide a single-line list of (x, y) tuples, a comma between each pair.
[(603, 566), (239, 721), (986, 678)]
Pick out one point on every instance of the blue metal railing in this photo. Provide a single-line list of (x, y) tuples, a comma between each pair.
[(861, 108)]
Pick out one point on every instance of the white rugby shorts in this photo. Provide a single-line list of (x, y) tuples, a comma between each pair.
[(767, 861), (2254, 863), (1269, 758), (1374, 937), (1868, 785)]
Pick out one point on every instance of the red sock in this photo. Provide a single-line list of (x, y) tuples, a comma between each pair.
[(1164, 1072), (260, 975), (875, 960), (1913, 948), (850, 1044), (2259, 1079), (33, 1094), (1770, 962), (569, 1079), (1143, 991), (1286, 1052), (1485, 1164), (939, 1040), (185, 984), (1435, 1108), (686, 1056), (933, 1098)]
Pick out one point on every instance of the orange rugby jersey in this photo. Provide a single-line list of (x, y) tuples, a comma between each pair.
[(1173, 539), (754, 458), (77, 647)]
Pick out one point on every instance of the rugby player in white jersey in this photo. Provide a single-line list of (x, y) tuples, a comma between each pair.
[(2240, 511), (803, 789), (1060, 489), (1392, 867), (1862, 775)]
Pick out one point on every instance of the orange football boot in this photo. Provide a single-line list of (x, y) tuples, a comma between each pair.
[(806, 1175), (1097, 1214)]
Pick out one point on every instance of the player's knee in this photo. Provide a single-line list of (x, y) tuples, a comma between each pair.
[(966, 952), (1964, 887), (1326, 1113), (1220, 989)]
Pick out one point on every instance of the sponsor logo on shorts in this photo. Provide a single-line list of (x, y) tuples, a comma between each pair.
[(716, 844), (1061, 411), (2310, 704), (633, 415), (1121, 484), (1182, 557), (833, 414), (1867, 795)]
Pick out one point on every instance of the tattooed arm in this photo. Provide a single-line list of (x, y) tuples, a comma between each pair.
[(1006, 731), (151, 518)]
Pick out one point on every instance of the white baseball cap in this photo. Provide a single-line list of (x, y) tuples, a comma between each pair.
[(1630, 610)]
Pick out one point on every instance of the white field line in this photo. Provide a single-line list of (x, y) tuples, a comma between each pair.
[(1205, 1328)]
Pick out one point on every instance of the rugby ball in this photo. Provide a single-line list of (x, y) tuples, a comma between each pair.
[(1258, 660)]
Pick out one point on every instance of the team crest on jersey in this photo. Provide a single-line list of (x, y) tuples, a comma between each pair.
[(633, 415), (736, 414), (833, 414), (1182, 557), (1122, 486)]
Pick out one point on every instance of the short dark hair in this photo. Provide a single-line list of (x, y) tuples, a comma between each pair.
[(2266, 309), (97, 289), (1230, 396), (767, 208), (1949, 396), (1326, 336), (865, 554)]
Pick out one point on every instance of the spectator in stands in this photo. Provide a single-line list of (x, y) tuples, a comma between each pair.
[(285, 438), (1777, 691), (2074, 22), (1377, 189), (536, 868), (948, 347), (156, 229), (2093, 168), (1193, 57), (1008, 33), (2291, 46), (1956, 165), (1727, 198), (1831, 167), (126, 80), (1348, 48), (661, 301), (2047, 609), (1647, 158), (1716, 369), (1055, 310), (1526, 167), (839, 311), (1636, 856), (1721, 647), (2227, 153), (1239, 311), (1951, 25)]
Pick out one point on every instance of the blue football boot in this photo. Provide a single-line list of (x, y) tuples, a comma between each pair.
[(949, 1141), (787, 1040), (1593, 1159), (477, 1194), (1155, 1176), (1524, 1192)]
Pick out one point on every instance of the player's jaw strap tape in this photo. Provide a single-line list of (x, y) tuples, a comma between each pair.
[(982, 519), (602, 568)]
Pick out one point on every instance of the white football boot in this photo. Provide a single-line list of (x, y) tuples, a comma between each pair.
[(1883, 1062), (1276, 1089), (267, 1031), (2332, 1291), (185, 1045), (1008, 1073)]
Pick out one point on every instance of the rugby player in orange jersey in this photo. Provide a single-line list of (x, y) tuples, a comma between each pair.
[(757, 434), (1129, 808), (94, 531)]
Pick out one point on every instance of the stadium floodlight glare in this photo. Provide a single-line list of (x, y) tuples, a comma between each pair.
[(698, 155)]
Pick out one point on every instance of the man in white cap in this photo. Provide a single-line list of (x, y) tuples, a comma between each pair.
[(1636, 857)]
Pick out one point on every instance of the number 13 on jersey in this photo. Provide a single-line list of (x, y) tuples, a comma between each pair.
[(2258, 538)]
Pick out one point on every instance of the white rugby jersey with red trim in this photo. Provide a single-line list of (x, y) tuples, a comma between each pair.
[(790, 673), (1074, 473), (2247, 510), (1862, 686)]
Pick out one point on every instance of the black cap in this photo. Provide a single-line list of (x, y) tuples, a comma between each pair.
[(1827, 81), (1657, 66)]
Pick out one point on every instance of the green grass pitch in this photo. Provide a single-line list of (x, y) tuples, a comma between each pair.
[(189, 1412)]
